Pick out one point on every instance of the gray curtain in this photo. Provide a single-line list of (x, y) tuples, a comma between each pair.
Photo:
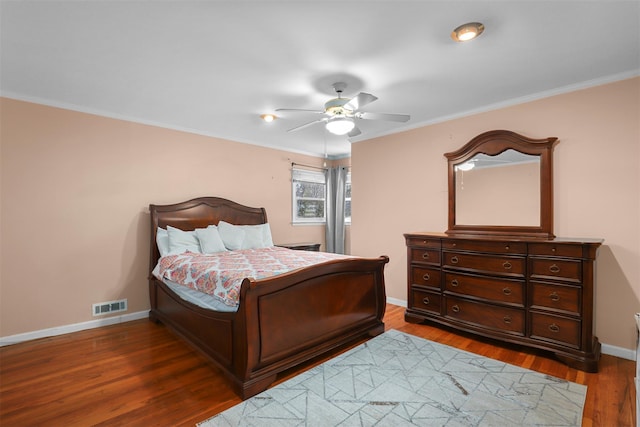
[(336, 179)]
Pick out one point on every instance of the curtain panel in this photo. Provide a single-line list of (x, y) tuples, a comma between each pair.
[(336, 181)]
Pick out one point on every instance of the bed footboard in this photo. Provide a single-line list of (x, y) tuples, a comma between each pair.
[(296, 316)]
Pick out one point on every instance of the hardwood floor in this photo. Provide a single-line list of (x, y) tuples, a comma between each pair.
[(139, 374)]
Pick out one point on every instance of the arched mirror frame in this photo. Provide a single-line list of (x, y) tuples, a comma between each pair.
[(493, 143)]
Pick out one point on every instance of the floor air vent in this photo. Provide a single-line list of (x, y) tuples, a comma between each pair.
[(109, 307)]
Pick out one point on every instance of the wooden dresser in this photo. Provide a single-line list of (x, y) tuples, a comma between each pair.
[(529, 291)]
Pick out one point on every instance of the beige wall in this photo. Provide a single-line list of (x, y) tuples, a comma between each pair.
[(400, 185), (74, 206), (75, 189)]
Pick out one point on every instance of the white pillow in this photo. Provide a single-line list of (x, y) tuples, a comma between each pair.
[(245, 236), (182, 241), (264, 230), (210, 240), (162, 240), (231, 235)]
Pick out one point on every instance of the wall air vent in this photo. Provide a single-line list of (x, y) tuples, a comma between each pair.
[(109, 307)]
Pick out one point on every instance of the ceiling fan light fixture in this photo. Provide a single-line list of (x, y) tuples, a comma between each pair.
[(268, 117), (467, 166), (340, 125), (466, 32)]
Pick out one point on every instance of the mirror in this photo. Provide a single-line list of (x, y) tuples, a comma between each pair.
[(501, 183), (498, 190)]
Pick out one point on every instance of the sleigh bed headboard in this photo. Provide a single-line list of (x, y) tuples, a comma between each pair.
[(199, 213)]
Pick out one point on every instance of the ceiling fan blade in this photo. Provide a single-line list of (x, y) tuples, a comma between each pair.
[(360, 101), (354, 132), (298, 110), (306, 124), (385, 116)]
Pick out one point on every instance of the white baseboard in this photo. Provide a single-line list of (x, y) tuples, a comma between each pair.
[(611, 350), (621, 352), (396, 301), (66, 329)]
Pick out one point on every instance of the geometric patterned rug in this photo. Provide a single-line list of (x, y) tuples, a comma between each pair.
[(397, 379)]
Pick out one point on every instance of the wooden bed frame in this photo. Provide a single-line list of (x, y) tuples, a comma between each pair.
[(281, 321)]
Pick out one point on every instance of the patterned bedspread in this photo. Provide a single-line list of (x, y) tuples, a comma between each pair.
[(220, 275)]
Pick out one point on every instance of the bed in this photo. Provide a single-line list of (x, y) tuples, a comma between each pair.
[(280, 321)]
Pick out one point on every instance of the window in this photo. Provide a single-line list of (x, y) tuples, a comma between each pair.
[(309, 197), (309, 194)]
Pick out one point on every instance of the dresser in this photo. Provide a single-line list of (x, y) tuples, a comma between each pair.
[(536, 292)]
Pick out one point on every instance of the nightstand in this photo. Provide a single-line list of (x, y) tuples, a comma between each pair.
[(314, 247)]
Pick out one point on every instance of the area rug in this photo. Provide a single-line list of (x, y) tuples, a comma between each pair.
[(397, 379)]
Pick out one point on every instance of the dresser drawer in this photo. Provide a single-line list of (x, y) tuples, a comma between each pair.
[(549, 268), (425, 256), (498, 318), (489, 288), (556, 297), (425, 301), (423, 276), (516, 248), (555, 249), (556, 329), (423, 242), (513, 266)]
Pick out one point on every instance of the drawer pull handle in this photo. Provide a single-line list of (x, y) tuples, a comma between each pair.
[(454, 282), (507, 265), (554, 268), (553, 249), (425, 255), (426, 277), (507, 247), (454, 259), (425, 300), (554, 296), (554, 328), (455, 309), (506, 291), (507, 319)]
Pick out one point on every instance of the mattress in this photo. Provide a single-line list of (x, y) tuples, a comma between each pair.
[(195, 297), (198, 298)]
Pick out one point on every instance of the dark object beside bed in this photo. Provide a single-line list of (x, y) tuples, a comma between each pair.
[(281, 321)]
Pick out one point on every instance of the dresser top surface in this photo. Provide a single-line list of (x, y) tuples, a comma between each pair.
[(500, 238)]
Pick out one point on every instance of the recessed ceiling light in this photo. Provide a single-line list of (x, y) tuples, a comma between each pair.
[(268, 117), (467, 31)]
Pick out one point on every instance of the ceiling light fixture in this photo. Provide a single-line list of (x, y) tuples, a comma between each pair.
[(467, 31), (340, 125), (268, 117)]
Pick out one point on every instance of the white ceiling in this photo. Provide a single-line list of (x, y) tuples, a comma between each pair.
[(212, 67)]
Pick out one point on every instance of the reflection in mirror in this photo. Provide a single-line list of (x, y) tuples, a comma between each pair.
[(498, 190)]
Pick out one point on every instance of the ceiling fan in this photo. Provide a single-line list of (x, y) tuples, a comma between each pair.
[(341, 113)]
